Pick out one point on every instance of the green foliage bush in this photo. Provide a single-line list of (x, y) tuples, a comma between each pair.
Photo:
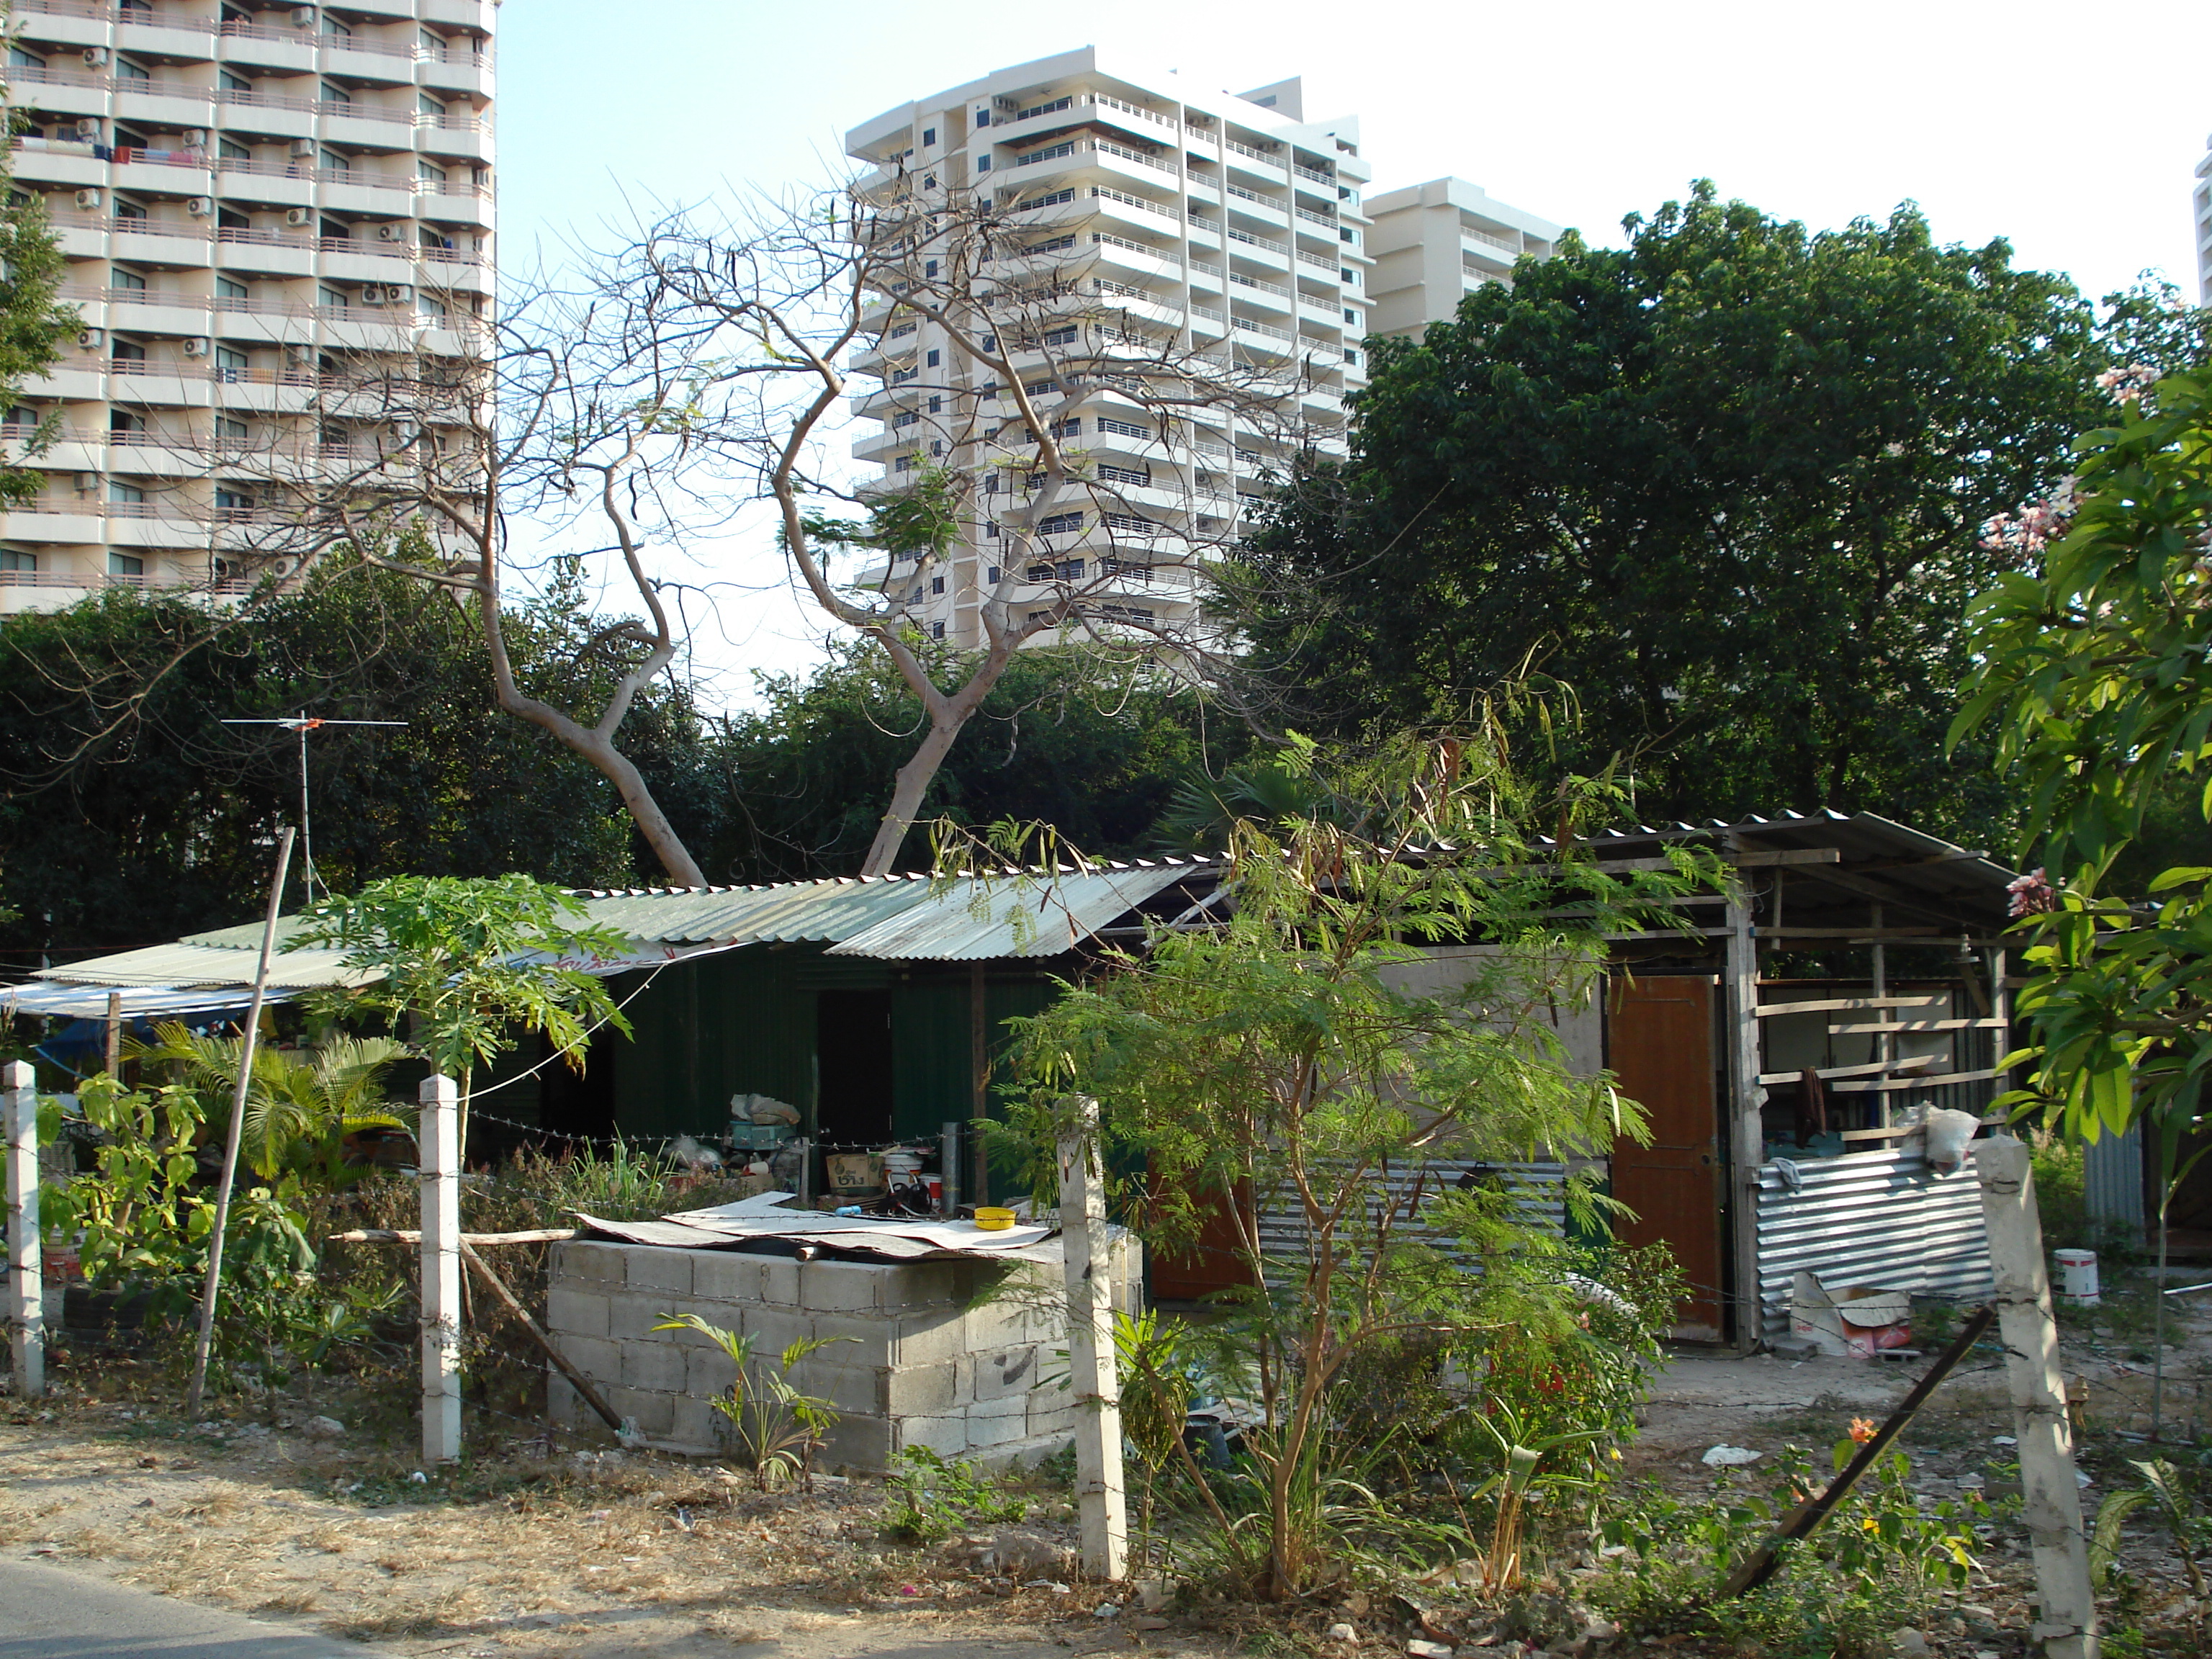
[(1877, 1562)]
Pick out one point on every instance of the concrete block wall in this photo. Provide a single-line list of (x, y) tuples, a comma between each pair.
[(955, 1355)]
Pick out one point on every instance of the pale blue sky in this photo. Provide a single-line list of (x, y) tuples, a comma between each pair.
[(2071, 129)]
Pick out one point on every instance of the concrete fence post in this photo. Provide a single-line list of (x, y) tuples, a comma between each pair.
[(2067, 1628), (26, 1299), (1101, 1502), (439, 1144)]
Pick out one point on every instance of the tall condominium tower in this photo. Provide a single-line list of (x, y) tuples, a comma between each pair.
[(1435, 243), (2203, 205), (1214, 246), (260, 206)]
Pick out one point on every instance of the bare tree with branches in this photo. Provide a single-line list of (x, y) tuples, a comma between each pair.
[(989, 486)]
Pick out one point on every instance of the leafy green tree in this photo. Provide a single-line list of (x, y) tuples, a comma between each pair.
[(1270, 1065), (2092, 677), (1050, 744), (130, 812), (32, 324), (464, 965), (1720, 484)]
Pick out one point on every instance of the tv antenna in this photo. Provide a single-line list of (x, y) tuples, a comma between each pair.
[(303, 724)]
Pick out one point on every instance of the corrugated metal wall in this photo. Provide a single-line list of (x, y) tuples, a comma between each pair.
[(739, 1023), (1538, 1191), (2112, 1178), (744, 1022), (1881, 1218)]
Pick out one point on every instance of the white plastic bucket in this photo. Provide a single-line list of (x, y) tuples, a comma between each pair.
[(2077, 1278)]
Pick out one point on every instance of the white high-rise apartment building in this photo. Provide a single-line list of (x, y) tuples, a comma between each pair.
[(2203, 204), (1226, 225), (1436, 243), (257, 204)]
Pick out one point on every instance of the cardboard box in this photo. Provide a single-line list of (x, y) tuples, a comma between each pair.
[(855, 1173)]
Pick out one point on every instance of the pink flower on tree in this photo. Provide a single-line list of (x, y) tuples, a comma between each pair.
[(2125, 386), (2033, 895)]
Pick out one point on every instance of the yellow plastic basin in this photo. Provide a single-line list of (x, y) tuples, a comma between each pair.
[(992, 1220)]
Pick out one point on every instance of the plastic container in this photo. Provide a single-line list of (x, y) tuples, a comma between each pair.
[(992, 1220), (2077, 1278)]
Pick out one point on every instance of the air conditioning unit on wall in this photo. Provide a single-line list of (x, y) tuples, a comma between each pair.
[(200, 206), (195, 347), (91, 339), (296, 217), (87, 199)]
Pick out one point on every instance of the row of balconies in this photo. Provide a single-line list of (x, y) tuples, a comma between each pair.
[(170, 24), (191, 175), (65, 112), (458, 73), (147, 311), (161, 244)]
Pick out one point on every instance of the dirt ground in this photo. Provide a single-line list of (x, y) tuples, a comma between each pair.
[(539, 1548)]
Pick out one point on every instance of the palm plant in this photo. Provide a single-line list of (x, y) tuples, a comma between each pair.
[(298, 1110)]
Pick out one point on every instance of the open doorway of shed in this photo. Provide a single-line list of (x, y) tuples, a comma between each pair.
[(852, 1050), (1659, 1043)]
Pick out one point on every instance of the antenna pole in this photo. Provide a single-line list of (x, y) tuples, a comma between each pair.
[(307, 835)]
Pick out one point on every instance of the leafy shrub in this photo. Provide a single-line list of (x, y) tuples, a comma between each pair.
[(1877, 1562), (935, 1496)]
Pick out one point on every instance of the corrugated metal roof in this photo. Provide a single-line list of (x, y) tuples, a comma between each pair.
[(139, 1001), (1025, 918), (1018, 914), (188, 965)]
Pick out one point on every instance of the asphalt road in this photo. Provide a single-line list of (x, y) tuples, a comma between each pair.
[(51, 1613)]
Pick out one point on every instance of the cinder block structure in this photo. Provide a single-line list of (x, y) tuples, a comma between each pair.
[(954, 1355)]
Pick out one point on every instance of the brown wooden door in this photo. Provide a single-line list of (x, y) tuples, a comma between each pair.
[(1659, 1042), (1215, 1261)]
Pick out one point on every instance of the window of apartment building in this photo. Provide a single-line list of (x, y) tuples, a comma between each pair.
[(983, 165), (127, 71), (229, 365), (124, 494), (331, 161), (1350, 315), (230, 82), (123, 420), (429, 172), (128, 209), (331, 94), (328, 299), (936, 403), (127, 351), (991, 574), (227, 220), (334, 29), (335, 230), (231, 432), (937, 584), (22, 417), (1351, 356), (14, 558), (118, 276), (428, 306), (991, 343), (18, 58), (125, 564), (432, 44), (928, 136), (929, 269), (232, 501), (935, 357), (1059, 337), (335, 440), (937, 630), (230, 150), (225, 289), (144, 9), (936, 445), (1351, 276), (426, 105), (1060, 524)]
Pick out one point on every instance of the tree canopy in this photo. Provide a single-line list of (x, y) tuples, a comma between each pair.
[(1721, 485), (130, 813), (1054, 742)]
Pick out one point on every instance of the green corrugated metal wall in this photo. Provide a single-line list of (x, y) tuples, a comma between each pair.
[(744, 1022)]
